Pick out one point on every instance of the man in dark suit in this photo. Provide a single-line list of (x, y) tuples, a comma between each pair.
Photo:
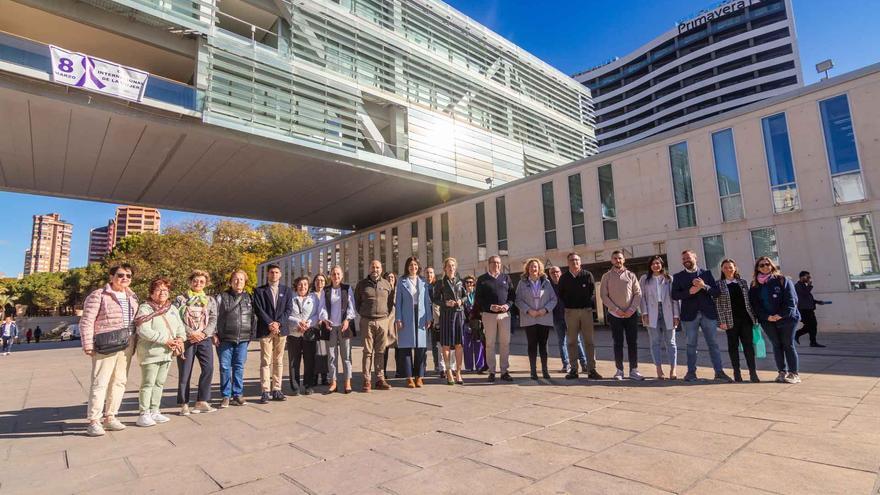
[(273, 303)]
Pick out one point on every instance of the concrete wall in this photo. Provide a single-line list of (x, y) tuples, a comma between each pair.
[(807, 239)]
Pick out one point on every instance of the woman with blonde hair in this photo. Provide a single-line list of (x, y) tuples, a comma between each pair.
[(449, 294), (199, 315), (536, 299), (774, 300)]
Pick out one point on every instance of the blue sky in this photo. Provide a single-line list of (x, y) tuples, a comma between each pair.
[(571, 35)]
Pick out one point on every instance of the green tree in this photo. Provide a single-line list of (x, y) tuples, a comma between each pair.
[(283, 238)]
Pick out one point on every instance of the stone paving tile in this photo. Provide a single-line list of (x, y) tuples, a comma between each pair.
[(491, 430), (622, 419), (410, 426), (251, 440), (575, 480), (183, 481), (115, 446), (398, 409), (32, 466), (342, 442), (578, 404), (429, 449), (350, 474), (793, 477), (716, 487), (527, 457), (457, 477), (582, 436), (794, 412), (538, 415), (109, 473), (251, 466), (704, 444), (163, 460), (267, 486), (661, 469), (834, 449), (720, 423)]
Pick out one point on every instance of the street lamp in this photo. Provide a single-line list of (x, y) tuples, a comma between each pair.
[(824, 66)]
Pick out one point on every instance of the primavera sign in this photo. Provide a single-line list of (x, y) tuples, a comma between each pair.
[(726, 7), (95, 74)]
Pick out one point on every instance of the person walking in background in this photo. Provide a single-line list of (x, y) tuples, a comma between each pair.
[(807, 308), (303, 333), (273, 303), (391, 338), (37, 334), (735, 316), (29, 335), (9, 333), (660, 315), (321, 349), (413, 313), (536, 300), (105, 334), (338, 314), (374, 299), (236, 326), (774, 300), (621, 294), (449, 294), (494, 298), (695, 287), (199, 315), (474, 347), (578, 303), (161, 334)]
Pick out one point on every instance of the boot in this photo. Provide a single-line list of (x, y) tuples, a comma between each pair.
[(737, 375), (534, 374), (753, 376), (544, 371)]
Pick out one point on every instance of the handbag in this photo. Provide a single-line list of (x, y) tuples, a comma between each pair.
[(114, 340), (476, 326), (311, 335)]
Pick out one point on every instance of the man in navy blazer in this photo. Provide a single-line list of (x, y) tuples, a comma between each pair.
[(273, 303), (696, 288)]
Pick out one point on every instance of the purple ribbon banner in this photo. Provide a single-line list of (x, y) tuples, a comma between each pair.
[(98, 75)]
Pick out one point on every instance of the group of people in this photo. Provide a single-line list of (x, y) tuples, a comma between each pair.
[(462, 319), (9, 334)]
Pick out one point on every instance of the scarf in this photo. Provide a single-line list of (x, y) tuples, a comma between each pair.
[(194, 312), (157, 311), (762, 278), (196, 297)]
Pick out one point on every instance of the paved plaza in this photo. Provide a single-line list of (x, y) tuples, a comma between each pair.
[(821, 436)]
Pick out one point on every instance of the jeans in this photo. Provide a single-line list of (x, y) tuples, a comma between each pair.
[(153, 377), (562, 338), (781, 334), (663, 337), (299, 349), (204, 353), (339, 353), (232, 358), (692, 333), (7, 344), (629, 328), (413, 361), (537, 341)]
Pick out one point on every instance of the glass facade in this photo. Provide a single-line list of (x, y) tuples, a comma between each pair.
[(764, 244), (395, 250), (361, 272), (481, 231), (727, 174), (383, 252), (414, 240), (780, 164), (713, 253), (371, 247), (549, 208), (682, 189), (840, 144), (429, 241), (501, 219), (444, 235), (576, 204), (606, 196), (860, 249)]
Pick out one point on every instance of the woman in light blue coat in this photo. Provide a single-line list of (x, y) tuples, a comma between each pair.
[(536, 299), (412, 308), (660, 315)]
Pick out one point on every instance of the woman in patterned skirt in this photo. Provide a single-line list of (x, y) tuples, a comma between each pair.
[(449, 294)]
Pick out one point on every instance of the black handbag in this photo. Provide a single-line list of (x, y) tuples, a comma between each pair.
[(476, 326), (112, 341), (311, 335)]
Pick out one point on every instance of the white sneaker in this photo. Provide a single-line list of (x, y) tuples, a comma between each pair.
[(618, 375), (114, 425), (95, 430), (159, 417), (792, 378), (635, 375), (146, 419), (780, 378)]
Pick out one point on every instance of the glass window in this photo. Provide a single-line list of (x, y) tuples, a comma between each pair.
[(429, 241), (395, 250), (576, 203), (549, 215), (481, 231), (501, 218), (727, 174), (361, 272), (713, 253), (683, 193), (764, 244), (337, 257), (780, 164), (860, 247), (606, 195), (371, 246), (310, 265), (840, 143), (383, 253), (414, 236), (444, 235)]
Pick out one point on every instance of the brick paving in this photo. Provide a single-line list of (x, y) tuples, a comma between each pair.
[(821, 436)]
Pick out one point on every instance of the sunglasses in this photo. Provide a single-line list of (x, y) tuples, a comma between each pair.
[(123, 275), (763, 265)]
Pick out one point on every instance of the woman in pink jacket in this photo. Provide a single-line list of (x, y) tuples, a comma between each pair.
[(106, 336)]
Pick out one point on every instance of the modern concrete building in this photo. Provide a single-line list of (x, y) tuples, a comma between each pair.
[(135, 220), (50, 245), (393, 105), (728, 55), (101, 241), (793, 177)]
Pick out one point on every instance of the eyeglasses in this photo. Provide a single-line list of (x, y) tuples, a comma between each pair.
[(123, 275), (764, 265)]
